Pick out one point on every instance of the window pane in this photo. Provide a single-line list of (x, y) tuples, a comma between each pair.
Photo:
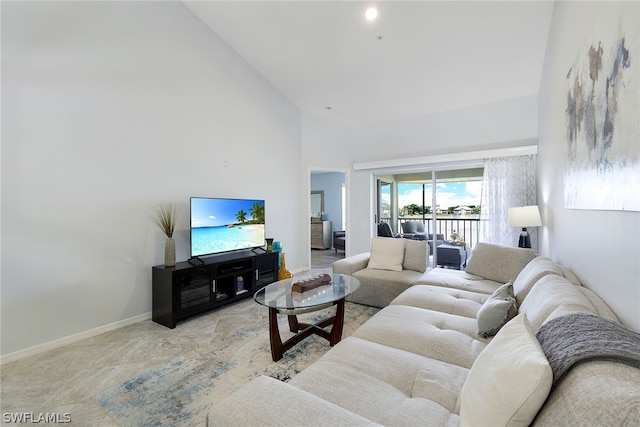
[(458, 206), (411, 200), (384, 201)]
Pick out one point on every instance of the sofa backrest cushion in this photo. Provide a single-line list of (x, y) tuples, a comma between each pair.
[(416, 254), (539, 267), (599, 305), (386, 254), (509, 381), (570, 275), (551, 297), (498, 263)]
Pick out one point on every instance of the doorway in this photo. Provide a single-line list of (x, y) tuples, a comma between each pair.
[(328, 189)]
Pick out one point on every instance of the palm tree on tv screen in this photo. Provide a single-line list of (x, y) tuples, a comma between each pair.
[(257, 213), (241, 216)]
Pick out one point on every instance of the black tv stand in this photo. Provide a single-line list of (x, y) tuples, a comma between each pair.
[(199, 285)]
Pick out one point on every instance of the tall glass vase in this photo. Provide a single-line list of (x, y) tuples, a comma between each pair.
[(283, 273), (170, 252)]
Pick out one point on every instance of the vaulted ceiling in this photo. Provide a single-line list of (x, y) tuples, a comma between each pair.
[(416, 58)]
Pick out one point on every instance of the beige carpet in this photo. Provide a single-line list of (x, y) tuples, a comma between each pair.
[(232, 348), (170, 375)]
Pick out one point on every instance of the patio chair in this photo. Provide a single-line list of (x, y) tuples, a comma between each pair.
[(384, 230), (413, 230)]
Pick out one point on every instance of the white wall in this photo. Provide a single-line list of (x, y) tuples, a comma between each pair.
[(497, 125), (602, 247), (327, 146), (110, 108)]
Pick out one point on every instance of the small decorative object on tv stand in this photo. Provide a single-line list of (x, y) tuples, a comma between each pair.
[(165, 218), (170, 252), (283, 273)]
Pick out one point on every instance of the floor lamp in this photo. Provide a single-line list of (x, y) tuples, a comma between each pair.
[(524, 216)]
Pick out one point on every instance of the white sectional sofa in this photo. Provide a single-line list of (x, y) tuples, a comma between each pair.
[(421, 360)]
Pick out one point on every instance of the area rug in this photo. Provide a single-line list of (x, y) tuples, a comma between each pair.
[(234, 350)]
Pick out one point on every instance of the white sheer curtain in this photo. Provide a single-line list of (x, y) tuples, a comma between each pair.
[(507, 182)]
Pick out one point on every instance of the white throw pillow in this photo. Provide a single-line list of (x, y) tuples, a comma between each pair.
[(509, 381), (387, 253), (416, 254)]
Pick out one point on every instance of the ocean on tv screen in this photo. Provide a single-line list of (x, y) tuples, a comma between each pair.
[(210, 240)]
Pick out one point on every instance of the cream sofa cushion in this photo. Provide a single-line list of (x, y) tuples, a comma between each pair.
[(570, 275), (498, 263), (386, 385), (437, 298), (416, 254), (551, 297), (539, 267), (441, 336), (260, 393), (352, 264), (600, 306), (386, 254), (379, 287), (458, 279), (509, 381)]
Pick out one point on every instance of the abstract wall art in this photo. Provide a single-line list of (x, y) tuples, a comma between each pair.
[(603, 125)]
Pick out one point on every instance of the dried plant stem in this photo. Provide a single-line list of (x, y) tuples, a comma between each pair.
[(165, 218)]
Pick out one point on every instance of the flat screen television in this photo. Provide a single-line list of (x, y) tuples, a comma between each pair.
[(224, 225)]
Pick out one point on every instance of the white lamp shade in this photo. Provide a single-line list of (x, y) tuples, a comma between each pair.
[(524, 216)]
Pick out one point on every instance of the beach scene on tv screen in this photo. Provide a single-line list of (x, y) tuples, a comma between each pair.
[(221, 225)]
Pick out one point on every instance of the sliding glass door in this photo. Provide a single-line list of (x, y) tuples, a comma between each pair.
[(384, 201), (446, 202)]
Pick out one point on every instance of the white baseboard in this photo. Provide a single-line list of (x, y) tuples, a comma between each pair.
[(40, 348)]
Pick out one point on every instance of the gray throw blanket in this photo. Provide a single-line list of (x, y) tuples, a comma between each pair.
[(580, 337)]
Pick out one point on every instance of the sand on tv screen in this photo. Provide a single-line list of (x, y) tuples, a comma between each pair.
[(223, 225)]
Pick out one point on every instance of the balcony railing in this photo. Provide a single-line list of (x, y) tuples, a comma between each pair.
[(467, 226)]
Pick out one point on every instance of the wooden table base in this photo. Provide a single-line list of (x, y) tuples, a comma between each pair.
[(303, 330)]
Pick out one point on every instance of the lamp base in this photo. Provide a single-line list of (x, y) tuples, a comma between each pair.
[(525, 239)]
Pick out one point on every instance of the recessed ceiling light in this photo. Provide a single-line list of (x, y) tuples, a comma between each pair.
[(371, 13)]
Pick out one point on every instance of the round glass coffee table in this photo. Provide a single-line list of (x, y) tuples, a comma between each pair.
[(280, 299)]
